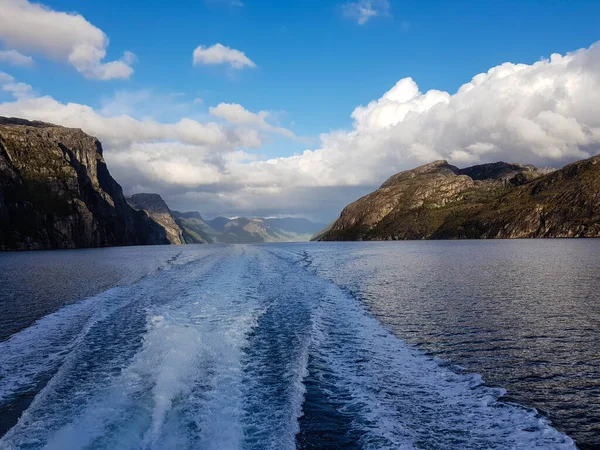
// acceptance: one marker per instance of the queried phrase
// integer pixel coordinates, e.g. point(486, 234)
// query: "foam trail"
point(397, 397)
point(97, 357)
point(29, 357)
point(247, 350)
point(277, 355)
point(40, 349)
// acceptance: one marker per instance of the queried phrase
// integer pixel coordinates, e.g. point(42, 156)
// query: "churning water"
point(358, 345)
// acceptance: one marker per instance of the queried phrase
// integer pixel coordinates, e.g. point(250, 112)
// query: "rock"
point(56, 192)
point(499, 200)
point(156, 209)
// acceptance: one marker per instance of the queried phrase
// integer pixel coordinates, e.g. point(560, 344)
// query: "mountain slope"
point(155, 207)
point(248, 230)
point(195, 229)
point(499, 200)
point(56, 192)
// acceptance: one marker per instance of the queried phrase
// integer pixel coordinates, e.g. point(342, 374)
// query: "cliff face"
point(56, 192)
point(499, 200)
point(156, 209)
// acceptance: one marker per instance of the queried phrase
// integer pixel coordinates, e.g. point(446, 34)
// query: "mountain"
point(195, 229)
point(56, 192)
point(156, 209)
point(297, 225)
point(499, 200)
point(248, 230)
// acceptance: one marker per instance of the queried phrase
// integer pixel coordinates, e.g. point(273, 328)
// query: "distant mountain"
point(247, 230)
point(298, 225)
point(499, 200)
point(155, 207)
point(218, 223)
point(195, 229)
point(56, 192)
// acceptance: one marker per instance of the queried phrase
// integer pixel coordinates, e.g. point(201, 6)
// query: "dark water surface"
point(428, 345)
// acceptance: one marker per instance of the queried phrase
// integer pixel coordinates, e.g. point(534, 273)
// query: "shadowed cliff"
point(56, 192)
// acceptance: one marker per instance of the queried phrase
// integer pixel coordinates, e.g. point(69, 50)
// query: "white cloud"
point(220, 54)
point(6, 78)
point(364, 10)
point(14, 58)
point(238, 115)
point(18, 90)
point(546, 113)
point(120, 132)
point(64, 37)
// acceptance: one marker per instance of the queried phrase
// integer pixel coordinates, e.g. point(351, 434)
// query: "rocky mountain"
point(499, 200)
point(195, 229)
point(298, 225)
point(157, 210)
point(56, 192)
point(247, 230)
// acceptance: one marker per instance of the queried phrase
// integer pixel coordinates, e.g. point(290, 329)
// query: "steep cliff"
point(156, 209)
point(499, 200)
point(56, 192)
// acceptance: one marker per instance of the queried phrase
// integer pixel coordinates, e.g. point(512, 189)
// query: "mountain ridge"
point(495, 200)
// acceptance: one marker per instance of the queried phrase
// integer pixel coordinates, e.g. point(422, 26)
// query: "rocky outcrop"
point(157, 210)
point(56, 192)
point(499, 200)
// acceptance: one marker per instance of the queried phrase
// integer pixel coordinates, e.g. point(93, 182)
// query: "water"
point(402, 345)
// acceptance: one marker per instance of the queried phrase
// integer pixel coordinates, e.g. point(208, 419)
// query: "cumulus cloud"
point(238, 115)
point(220, 54)
point(60, 36)
point(14, 58)
point(364, 10)
point(546, 113)
point(118, 133)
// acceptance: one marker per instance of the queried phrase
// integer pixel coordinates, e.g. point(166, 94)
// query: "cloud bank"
point(546, 113)
point(60, 36)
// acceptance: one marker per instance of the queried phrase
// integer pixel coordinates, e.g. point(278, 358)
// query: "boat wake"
point(245, 348)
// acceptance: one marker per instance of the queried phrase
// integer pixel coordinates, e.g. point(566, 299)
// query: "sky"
point(296, 108)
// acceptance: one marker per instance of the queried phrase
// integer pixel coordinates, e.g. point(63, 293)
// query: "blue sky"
point(314, 63)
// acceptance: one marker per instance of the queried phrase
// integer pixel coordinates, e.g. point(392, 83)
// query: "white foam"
point(52, 410)
point(223, 352)
point(399, 397)
point(42, 347)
